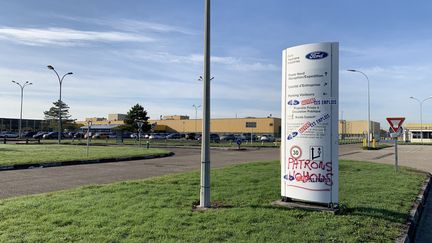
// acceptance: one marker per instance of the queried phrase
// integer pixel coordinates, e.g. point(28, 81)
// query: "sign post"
point(309, 148)
point(396, 126)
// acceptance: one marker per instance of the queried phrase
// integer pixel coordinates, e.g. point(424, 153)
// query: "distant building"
point(113, 119)
point(12, 124)
point(413, 132)
point(358, 129)
point(183, 124)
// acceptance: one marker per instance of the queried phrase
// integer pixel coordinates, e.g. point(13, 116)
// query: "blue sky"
point(150, 52)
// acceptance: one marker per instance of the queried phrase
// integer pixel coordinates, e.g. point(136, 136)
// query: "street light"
point(60, 101)
point(139, 123)
point(196, 115)
point(22, 86)
point(368, 83)
point(89, 124)
point(421, 114)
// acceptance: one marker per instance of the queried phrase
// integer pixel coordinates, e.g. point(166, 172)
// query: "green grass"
point(377, 202)
point(12, 154)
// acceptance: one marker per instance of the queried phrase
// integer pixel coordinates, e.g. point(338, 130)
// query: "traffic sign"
point(395, 122)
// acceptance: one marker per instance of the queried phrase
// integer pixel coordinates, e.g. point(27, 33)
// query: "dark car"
point(213, 138)
point(78, 135)
point(228, 137)
point(190, 136)
point(39, 135)
point(52, 135)
point(28, 134)
point(174, 136)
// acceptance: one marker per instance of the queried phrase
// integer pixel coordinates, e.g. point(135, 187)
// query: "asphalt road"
point(32, 181)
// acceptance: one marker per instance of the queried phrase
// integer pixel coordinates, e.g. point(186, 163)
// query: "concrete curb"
point(415, 213)
point(80, 162)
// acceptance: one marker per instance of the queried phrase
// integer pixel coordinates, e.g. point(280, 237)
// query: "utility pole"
point(205, 145)
point(22, 86)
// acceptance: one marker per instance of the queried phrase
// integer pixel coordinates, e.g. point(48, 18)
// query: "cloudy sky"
point(150, 52)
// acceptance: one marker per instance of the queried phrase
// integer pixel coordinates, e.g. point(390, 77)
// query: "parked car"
point(157, 136)
point(267, 138)
point(228, 137)
point(28, 134)
point(78, 135)
point(191, 136)
point(8, 135)
point(174, 136)
point(100, 135)
point(39, 135)
point(52, 135)
point(213, 138)
point(247, 136)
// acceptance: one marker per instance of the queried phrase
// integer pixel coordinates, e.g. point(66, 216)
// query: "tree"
point(136, 112)
point(52, 116)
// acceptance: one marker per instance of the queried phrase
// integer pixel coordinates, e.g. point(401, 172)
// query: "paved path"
point(31, 181)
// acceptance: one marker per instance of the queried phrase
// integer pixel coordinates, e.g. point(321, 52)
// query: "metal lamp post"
point(89, 124)
point(368, 86)
point(22, 86)
point(60, 97)
point(421, 114)
point(196, 115)
point(140, 123)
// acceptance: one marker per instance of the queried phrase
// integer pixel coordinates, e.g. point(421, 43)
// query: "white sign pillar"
point(309, 149)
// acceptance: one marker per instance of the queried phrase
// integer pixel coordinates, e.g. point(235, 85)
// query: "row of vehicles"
point(213, 137)
point(152, 136)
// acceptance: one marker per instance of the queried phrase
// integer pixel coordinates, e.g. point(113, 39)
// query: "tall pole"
point(205, 145)
point(421, 114)
point(60, 100)
point(22, 86)
point(368, 92)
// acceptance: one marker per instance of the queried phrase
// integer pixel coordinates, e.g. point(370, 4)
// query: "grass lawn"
point(12, 154)
point(159, 209)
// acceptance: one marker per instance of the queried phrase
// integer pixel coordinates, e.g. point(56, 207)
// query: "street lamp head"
point(352, 70)
point(14, 82)
point(30, 83)
point(411, 97)
point(50, 67)
point(69, 73)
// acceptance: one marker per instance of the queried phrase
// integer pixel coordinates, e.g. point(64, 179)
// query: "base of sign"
point(289, 203)
point(199, 208)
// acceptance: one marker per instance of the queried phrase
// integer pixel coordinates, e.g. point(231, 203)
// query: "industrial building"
point(358, 129)
point(182, 124)
point(255, 125)
point(12, 124)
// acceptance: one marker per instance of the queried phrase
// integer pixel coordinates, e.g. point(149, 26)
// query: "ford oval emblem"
point(293, 102)
point(316, 55)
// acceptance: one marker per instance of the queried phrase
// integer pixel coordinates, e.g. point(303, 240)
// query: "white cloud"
point(232, 63)
point(132, 25)
point(65, 36)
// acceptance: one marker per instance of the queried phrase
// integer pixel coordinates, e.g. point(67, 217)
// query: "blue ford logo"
point(316, 55)
point(293, 102)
